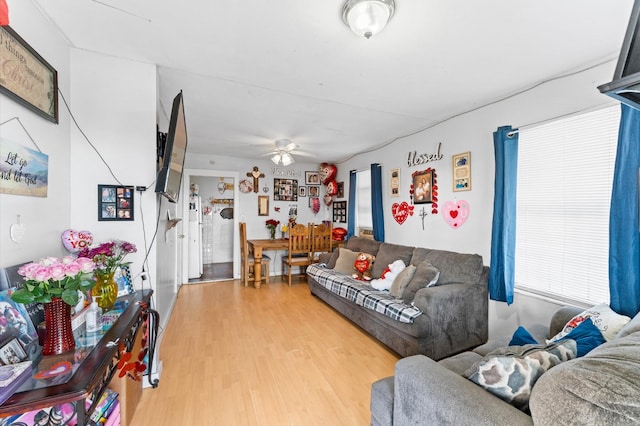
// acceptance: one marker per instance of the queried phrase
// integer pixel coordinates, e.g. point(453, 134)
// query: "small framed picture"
point(314, 191)
point(12, 352)
point(422, 186)
point(340, 193)
point(115, 202)
point(311, 178)
point(302, 191)
point(461, 164)
point(394, 182)
point(263, 205)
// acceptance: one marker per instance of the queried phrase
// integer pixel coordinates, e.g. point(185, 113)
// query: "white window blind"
point(363, 200)
point(565, 173)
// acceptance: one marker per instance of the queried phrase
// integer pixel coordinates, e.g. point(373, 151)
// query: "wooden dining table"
point(257, 247)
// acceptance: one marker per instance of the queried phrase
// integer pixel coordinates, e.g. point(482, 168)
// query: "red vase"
point(59, 334)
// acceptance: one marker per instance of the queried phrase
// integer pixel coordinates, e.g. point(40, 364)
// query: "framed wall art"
point(340, 193)
point(394, 182)
point(263, 205)
point(285, 189)
point(115, 202)
point(312, 178)
point(461, 171)
point(423, 186)
point(314, 191)
point(340, 211)
point(302, 191)
point(34, 83)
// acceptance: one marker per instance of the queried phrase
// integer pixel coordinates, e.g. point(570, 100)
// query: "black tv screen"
point(170, 175)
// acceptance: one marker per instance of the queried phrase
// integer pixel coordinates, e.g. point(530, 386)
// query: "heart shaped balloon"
point(401, 211)
point(327, 172)
point(332, 187)
point(74, 241)
point(456, 214)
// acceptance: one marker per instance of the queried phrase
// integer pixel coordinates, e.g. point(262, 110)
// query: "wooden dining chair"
point(299, 245)
point(321, 240)
point(247, 264)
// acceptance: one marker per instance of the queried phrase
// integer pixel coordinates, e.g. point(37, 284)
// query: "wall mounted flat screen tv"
point(175, 148)
point(625, 85)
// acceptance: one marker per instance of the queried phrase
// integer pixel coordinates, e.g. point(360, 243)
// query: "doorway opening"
point(210, 222)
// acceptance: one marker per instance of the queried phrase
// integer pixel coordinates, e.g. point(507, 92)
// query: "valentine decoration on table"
point(401, 211)
point(328, 172)
point(456, 214)
point(57, 369)
point(74, 241)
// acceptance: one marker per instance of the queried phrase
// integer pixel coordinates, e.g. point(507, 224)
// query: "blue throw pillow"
point(587, 337)
point(522, 337)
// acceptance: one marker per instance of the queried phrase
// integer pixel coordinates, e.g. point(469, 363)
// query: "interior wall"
point(43, 219)
point(473, 132)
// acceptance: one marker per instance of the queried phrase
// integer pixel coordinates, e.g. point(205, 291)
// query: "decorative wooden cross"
point(256, 175)
point(423, 214)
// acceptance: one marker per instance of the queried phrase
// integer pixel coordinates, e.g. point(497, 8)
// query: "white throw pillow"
point(608, 322)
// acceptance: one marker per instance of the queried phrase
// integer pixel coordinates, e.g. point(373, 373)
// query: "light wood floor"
point(234, 355)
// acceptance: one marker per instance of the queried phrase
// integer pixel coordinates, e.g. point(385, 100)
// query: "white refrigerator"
point(195, 237)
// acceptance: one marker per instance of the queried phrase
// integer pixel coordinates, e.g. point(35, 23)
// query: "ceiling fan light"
point(287, 159)
point(276, 159)
point(367, 17)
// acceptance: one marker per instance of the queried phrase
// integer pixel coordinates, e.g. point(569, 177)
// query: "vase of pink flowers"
point(108, 257)
point(55, 282)
point(272, 225)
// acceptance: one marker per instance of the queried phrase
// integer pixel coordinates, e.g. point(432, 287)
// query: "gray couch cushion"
point(419, 254)
point(456, 267)
point(382, 402)
point(345, 261)
point(425, 274)
point(387, 254)
point(401, 281)
point(630, 327)
point(601, 388)
point(366, 245)
point(461, 362)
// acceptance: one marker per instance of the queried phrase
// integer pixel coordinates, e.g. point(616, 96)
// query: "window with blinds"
point(565, 173)
point(363, 200)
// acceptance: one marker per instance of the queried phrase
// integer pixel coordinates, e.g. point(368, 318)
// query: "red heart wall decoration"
point(401, 211)
point(327, 172)
point(456, 214)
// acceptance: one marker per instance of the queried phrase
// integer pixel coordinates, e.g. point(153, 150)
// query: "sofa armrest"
point(560, 318)
point(429, 394)
point(458, 311)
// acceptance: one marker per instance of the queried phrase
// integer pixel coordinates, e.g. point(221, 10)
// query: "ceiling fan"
point(282, 154)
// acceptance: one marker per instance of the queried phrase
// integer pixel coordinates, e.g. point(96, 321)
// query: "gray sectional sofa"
point(600, 388)
point(453, 314)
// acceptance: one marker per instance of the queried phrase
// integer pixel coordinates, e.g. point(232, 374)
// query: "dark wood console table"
point(93, 367)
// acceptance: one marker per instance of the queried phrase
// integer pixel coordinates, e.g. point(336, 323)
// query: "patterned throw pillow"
point(608, 322)
point(510, 372)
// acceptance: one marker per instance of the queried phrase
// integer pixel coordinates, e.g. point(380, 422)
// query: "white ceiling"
point(253, 71)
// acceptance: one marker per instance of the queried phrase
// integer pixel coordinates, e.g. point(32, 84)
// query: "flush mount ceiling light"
point(367, 17)
point(282, 155)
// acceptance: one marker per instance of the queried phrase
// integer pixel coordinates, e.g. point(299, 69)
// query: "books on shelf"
point(105, 405)
point(11, 377)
